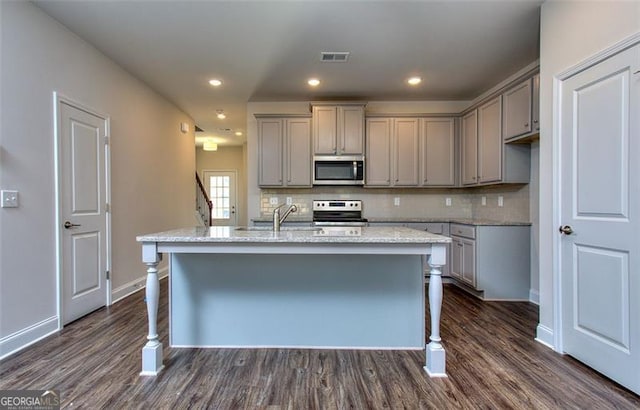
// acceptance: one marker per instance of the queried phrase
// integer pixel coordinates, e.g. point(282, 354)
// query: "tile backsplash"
point(414, 203)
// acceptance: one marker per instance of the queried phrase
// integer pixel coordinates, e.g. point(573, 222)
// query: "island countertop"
point(354, 235)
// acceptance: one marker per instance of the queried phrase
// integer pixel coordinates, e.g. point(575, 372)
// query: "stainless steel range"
point(338, 213)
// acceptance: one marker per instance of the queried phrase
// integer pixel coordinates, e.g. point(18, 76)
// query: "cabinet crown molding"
point(258, 116)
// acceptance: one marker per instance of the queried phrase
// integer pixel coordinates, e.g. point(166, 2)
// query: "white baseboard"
point(19, 340)
point(534, 296)
point(544, 335)
point(134, 286)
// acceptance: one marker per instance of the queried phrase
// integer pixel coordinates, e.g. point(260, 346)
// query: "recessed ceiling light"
point(314, 82)
point(414, 80)
point(215, 82)
point(239, 133)
point(220, 114)
point(209, 145)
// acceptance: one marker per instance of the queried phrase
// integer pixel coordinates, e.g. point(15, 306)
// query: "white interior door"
point(83, 218)
point(221, 187)
point(600, 217)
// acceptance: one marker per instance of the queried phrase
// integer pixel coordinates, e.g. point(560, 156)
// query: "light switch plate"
point(273, 200)
point(9, 199)
point(484, 201)
point(396, 201)
point(500, 200)
point(447, 201)
point(289, 200)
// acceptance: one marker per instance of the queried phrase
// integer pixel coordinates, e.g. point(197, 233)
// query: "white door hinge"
point(107, 208)
point(106, 140)
point(108, 274)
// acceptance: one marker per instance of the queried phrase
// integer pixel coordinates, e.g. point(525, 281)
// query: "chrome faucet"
point(278, 220)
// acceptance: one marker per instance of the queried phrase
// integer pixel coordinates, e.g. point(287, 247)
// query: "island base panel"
point(314, 301)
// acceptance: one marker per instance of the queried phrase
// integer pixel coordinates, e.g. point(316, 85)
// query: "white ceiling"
point(266, 50)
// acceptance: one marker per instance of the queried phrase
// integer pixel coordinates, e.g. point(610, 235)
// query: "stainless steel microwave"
point(338, 170)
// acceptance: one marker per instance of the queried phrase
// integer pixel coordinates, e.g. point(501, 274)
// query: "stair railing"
point(204, 206)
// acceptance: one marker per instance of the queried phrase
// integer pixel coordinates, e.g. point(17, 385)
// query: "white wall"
point(571, 32)
point(152, 162)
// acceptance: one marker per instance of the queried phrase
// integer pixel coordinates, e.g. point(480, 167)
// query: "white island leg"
point(435, 354)
point(152, 351)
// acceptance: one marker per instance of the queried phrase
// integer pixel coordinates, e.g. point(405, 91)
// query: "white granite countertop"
point(374, 220)
point(233, 234)
point(464, 221)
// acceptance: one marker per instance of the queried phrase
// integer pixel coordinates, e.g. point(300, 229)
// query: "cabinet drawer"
point(466, 231)
point(437, 228)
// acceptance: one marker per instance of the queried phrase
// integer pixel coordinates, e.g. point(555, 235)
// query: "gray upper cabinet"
point(469, 147)
point(494, 161)
point(438, 152)
point(517, 110)
point(535, 110)
point(392, 152)
point(270, 147)
point(406, 152)
point(298, 152)
point(284, 151)
point(378, 158)
point(490, 141)
point(338, 129)
point(325, 133)
point(410, 151)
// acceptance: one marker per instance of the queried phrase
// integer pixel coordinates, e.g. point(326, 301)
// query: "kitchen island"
point(347, 288)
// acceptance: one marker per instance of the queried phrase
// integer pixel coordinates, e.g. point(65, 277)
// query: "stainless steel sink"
point(284, 228)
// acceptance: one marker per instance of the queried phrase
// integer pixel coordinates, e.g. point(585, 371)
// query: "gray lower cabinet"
point(493, 260)
point(440, 228)
point(284, 151)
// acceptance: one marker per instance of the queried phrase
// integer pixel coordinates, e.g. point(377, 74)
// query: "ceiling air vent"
point(334, 56)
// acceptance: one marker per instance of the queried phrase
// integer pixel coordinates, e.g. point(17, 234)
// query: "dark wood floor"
point(492, 361)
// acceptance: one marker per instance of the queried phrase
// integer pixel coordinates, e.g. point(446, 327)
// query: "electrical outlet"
point(484, 201)
point(447, 201)
point(289, 200)
point(273, 200)
point(9, 199)
point(500, 200)
point(396, 201)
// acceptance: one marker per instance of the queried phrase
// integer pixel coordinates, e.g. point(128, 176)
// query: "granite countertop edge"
point(231, 235)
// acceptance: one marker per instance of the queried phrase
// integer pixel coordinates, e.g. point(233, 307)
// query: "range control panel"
point(338, 205)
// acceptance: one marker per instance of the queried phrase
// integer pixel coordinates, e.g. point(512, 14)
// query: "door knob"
point(567, 230)
point(69, 225)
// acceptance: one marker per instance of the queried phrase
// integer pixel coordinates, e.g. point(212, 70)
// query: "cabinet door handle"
point(535, 121)
point(526, 125)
